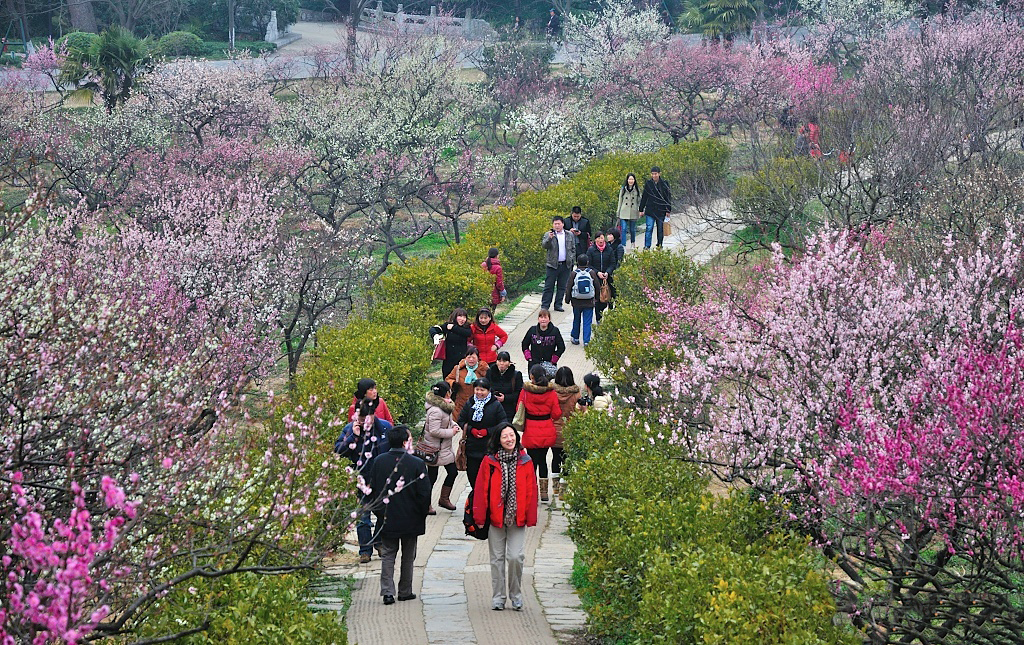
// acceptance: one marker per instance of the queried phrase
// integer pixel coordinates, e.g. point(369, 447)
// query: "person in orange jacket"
point(505, 495)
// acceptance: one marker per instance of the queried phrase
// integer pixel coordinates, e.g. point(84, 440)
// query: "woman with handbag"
point(540, 408)
point(457, 333)
point(438, 431)
point(604, 260)
point(505, 496)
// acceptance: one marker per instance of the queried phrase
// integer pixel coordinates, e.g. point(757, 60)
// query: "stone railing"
point(377, 19)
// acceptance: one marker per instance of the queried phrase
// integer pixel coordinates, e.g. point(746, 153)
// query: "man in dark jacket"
point(604, 260)
point(400, 494)
point(480, 417)
point(560, 246)
point(580, 227)
point(362, 441)
point(656, 206)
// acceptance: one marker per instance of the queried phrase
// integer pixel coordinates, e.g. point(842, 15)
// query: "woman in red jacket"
point(493, 266)
point(539, 434)
point(506, 496)
point(488, 337)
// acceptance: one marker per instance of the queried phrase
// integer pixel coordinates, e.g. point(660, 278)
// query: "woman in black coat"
point(457, 333)
point(506, 383)
point(481, 417)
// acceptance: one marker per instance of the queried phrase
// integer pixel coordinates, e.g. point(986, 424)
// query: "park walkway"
point(452, 579)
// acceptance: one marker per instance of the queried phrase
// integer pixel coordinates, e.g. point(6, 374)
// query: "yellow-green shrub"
point(561, 197)
point(245, 609)
point(657, 269)
point(766, 592)
point(438, 284)
point(389, 354)
point(516, 232)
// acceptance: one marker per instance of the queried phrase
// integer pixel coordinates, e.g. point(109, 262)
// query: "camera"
point(586, 400)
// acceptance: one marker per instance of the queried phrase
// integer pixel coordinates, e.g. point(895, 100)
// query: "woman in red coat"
point(539, 434)
point(505, 495)
point(488, 337)
point(493, 266)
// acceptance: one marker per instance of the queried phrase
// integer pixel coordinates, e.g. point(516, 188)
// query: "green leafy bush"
point(766, 592)
point(516, 232)
point(658, 269)
point(560, 198)
point(773, 201)
point(389, 354)
point(438, 284)
point(179, 43)
point(245, 609)
point(76, 43)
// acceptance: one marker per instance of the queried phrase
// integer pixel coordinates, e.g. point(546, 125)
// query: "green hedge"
point(245, 609)
point(389, 354)
point(627, 329)
point(439, 285)
point(666, 561)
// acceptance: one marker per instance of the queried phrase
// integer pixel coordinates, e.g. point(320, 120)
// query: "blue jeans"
point(364, 529)
point(586, 316)
point(651, 222)
point(628, 225)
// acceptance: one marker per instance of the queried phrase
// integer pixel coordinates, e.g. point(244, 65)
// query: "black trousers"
point(450, 474)
point(555, 283)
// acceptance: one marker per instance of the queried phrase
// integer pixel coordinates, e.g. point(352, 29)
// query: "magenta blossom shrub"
point(883, 405)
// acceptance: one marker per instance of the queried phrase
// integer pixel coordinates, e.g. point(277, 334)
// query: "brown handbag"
point(668, 228)
point(461, 460)
point(606, 292)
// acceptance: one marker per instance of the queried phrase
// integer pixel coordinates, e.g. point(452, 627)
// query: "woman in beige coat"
point(629, 208)
point(438, 431)
point(568, 394)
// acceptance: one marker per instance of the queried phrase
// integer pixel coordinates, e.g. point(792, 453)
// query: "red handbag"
point(439, 351)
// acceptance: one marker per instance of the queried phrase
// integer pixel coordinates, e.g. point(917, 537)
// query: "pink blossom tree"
point(882, 404)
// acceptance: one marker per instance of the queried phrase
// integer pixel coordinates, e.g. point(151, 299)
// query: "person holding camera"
point(561, 250)
point(594, 395)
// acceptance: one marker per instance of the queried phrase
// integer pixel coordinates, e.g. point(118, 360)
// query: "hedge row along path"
point(453, 579)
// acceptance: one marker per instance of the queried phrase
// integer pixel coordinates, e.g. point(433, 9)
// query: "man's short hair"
point(655, 169)
point(582, 261)
point(577, 209)
point(398, 435)
point(558, 218)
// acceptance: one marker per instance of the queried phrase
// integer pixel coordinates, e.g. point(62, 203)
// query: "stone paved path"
point(453, 579)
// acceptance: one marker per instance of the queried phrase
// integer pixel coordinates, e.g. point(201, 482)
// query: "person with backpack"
point(362, 440)
point(543, 342)
point(505, 496)
point(493, 266)
point(583, 297)
point(655, 206)
point(604, 260)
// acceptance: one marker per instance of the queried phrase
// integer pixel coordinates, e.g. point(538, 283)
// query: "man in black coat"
point(479, 419)
point(656, 206)
point(400, 493)
point(580, 227)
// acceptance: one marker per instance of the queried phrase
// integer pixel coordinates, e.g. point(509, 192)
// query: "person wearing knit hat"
point(366, 388)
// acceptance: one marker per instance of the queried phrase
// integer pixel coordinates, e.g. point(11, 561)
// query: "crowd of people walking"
point(484, 417)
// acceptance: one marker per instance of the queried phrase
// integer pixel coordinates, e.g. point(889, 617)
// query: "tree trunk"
point(83, 18)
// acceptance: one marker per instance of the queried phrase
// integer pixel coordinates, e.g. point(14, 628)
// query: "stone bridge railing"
point(377, 19)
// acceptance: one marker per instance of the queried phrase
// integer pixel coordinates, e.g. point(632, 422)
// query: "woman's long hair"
point(491, 254)
point(593, 383)
point(458, 311)
point(564, 377)
point(539, 376)
point(625, 183)
point(494, 443)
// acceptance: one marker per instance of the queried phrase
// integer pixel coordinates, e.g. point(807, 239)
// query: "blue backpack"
point(583, 285)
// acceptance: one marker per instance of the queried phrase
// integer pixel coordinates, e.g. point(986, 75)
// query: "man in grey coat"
point(561, 249)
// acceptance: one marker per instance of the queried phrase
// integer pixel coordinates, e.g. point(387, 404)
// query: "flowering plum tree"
point(618, 32)
point(883, 404)
point(122, 366)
